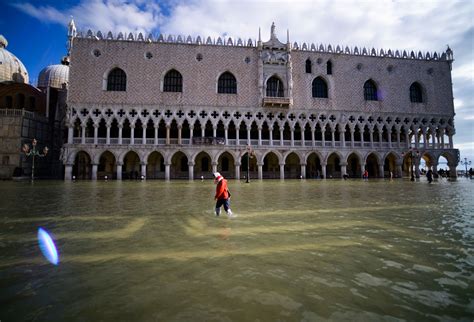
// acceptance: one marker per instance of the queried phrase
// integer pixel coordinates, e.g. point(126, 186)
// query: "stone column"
point(156, 126)
point(352, 138)
point(425, 140)
point(398, 169)
point(417, 168)
point(323, 137)
point(143, 169)
point(303, 170)
point(433, 139)
point(303, 143)
point(132, 134)
point(343, 137)
point(70, 134)
point(214, 166)
point(226, 135)
point(191, 171)
point(94, 171)
point(434, 167)
point(107, 140)
point(96, 132)
point(180, 127)
point(83, 134)
point(168, 128)
point(450, 140)
point(120, 128)
point(380, 137)
point(452, 170)
point(398, 138)
point(248, 135)
point(259, 136)
point(237, 171)
point(381, 172)
point(389, 138)
point(68, 171)
point(281, 136)
point(144, 134)
point(442, 139)
point(167, 171)
point(282, 171)
point(292, 133)
point(407, 139)
point(203, 130)
point(237, 136)
point(371, 138)
point(214, 131)
point(343, 169)
point(260, 171)
point(323, 169)
point(313, 141)
point(119, 170)
point(417, 140)
point(333, 137)
point(191, 133)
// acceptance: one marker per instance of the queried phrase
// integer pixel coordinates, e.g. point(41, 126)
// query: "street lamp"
point(412, 154)
point(466, 163)
point(33, 153)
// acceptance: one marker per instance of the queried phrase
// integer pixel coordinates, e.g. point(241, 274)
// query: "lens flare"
point(47, 246)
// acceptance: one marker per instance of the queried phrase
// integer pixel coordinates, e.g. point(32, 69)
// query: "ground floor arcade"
point(122, 162)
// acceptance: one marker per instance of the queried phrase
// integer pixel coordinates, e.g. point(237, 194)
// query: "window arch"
point(370, 91)
point(308, 66)
point(227, 84)
point(274, 87)
point(117, 80)
point(416, 94)
point(329, 67)
point(320, 88)
point(173, 81)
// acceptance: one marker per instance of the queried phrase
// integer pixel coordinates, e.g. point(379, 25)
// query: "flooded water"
point(298, 251)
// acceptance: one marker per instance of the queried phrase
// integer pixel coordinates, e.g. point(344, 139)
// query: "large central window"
point(173, 81)
point(117, 80)
point(274, 87)
point(227, 84)
point(370, 91)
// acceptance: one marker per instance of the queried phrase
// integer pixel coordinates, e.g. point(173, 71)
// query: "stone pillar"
point(107, 140)
point(203, 130)
point(168, 129)
point(144, 134)
point(380, 137)
point(313, 141)
point(442, 139)
point(343, 137)
point(281, 137)
point(237, 171)
point(120, 128)
point(119, 170)
point(333, 137)
point(132, 134)
point(70, 134)
point(425, 140)
point(214, 131)
point(398, 168)
point(96, 132)
point(407, 139)
point(398, 138)
point(389, 138)
point(434, 167)
point(381, 172)
point(156, 133)
point(226, 135)
point(450, 141)
point(248, 135)
point(352, 138)
point(259, 136)
point(323, 169)
point(433, 139)
point(237, 136)
point(191, 133)
point(452, 170)
point(417, 168)
point(323, 137)
point(303, 143)
point(143, 169)
point(303, 170)
point(271, 136)
point(94, 171)
point(167, 171)
point(282, 171)
point(214, 166)
point(68, 171)
point(343, 169)
point(180, 127)
point(292, 133)
point(260, 171)
point(191, 171)
point(83, 134)
point(417, 141)
point(371, 138)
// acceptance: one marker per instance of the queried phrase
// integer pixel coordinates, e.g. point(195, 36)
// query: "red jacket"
point(222, 191)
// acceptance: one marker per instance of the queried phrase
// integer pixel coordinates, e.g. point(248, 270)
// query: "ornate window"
point(227, 84)
point(320, 88)
point(117, 80)
point(308, 66)
point(329, 67)
point(416, 95)
point(173, 81)
point(370, 91)
point(274, 87)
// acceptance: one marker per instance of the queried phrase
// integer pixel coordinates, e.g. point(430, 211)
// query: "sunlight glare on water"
point(298, 250)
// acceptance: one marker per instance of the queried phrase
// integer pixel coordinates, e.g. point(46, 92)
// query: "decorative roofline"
point(239, 42)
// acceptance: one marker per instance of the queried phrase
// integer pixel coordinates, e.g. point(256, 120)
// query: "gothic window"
point(370, 91)
point(173, 81)
point(416, 95)
point(274, 87)
point(8, 102)
point(117, 80)
point(308, 66)
point(320, 88)
point(227, 84)
point(329, 67)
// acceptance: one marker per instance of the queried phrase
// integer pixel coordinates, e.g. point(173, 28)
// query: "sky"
point(36, 30)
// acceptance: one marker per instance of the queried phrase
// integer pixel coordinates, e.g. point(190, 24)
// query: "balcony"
point(277, 102)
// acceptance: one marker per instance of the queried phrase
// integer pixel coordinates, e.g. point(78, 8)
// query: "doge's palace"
point(171, 107)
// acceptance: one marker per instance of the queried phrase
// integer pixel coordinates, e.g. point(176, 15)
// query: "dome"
point(11, 68)
point(54, 75)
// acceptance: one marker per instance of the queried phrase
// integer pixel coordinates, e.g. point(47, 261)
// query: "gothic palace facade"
point(182, 107)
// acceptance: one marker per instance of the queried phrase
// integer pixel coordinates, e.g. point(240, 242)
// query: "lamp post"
point(33, 153)
point(412, 154)
point(466, 163)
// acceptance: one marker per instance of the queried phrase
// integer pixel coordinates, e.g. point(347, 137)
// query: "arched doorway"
point(179, 166)
point(226, 165)
point(292, 166)
point(131, 166)
point(252, 166)
point(313, 166)
point(107, 166)
point(271, 166)
point(372, 166)
point(354, 169)
point(155, 166)
point(390, 166)
point(333, 167)
point(202, 165)
point(82, 168)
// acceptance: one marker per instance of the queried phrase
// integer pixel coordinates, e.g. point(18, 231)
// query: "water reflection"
point(299, 250)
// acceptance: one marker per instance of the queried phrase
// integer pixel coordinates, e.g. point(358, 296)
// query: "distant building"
point(28, 112)
point(181, 107)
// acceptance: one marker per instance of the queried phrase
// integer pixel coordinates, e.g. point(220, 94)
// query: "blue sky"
point(36, 30)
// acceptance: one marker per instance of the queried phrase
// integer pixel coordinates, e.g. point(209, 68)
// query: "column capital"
point(119, 163)
point(191, 163)
point(343, 164)
point(143, 163)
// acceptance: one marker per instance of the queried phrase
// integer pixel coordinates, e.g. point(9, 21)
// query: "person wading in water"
point(222, 195)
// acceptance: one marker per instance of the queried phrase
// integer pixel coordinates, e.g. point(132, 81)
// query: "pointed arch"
point(275, 87)
point(416, 93)
point(370, 91)
point(116, 80)
point(308, 66)
point(173, 81)
point(320, 88)
point(227, 83)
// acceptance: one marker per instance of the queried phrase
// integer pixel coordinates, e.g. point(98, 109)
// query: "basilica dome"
point(55, 75)
point(11, 68)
